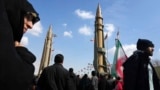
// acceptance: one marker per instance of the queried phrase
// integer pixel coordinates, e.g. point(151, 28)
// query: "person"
point(78, 81)
point(118, 83)
point(16, 67)
point(139, 73)
point(84, 83)
point(34, 83)
point(73, 80)
point(54, 77)
point(94, 80)
point(102, 83)
point(110, 82)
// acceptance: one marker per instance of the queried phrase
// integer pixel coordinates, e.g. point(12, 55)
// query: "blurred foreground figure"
point(139, 73)
point(16, 66)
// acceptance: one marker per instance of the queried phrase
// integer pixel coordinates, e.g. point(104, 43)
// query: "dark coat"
point(72, 81)
point(54, 77)
point(85, 83)
point(110, 85)
point(16, 66)
point(136, 73)
point(102, 84)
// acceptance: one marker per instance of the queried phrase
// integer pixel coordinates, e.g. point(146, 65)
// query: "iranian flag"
point(119, 58)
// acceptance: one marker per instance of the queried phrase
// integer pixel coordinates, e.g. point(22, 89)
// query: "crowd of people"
point(139, 74)
point(17, 69)
point(56, 77)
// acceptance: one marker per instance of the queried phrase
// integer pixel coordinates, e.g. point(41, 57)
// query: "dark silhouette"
point(102, 84)
point(110, 82)
point(139, 73)
point(84, 83)
point(54, 77)
point(78, 81)
point(73, 80)
point(16, 67)
point(94, 81)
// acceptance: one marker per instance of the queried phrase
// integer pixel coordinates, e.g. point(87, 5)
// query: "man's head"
point(93, 73)
point(58, 58)
point(70, 69)
point(146, 46)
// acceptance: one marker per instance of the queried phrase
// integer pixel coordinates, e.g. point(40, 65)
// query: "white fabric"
point(150, 72)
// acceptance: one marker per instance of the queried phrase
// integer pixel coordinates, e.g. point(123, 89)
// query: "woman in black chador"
point(16, 61)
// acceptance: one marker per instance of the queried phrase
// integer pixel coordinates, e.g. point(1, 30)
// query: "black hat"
point(58, 58)
point(143, 44)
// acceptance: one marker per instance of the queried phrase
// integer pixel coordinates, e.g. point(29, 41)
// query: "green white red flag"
point(119, 58)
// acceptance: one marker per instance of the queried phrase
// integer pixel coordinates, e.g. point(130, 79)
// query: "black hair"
point(93, 73)
point(58, 58)
point(70, 69)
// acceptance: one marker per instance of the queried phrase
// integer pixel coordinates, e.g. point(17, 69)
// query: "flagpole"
point(105, 38)
point(106, 57)
point(118, 39)
point(119, 58)
point(117, 34)
point(113, 68)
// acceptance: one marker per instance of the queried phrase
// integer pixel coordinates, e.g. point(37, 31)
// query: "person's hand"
point(17, 44)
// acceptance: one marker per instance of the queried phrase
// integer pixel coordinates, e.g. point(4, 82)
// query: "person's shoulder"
point(59, 67)
point(48, 68)
point(65, 70)
point(133, 58)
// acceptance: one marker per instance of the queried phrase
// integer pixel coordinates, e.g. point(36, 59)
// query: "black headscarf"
point(16, 17)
